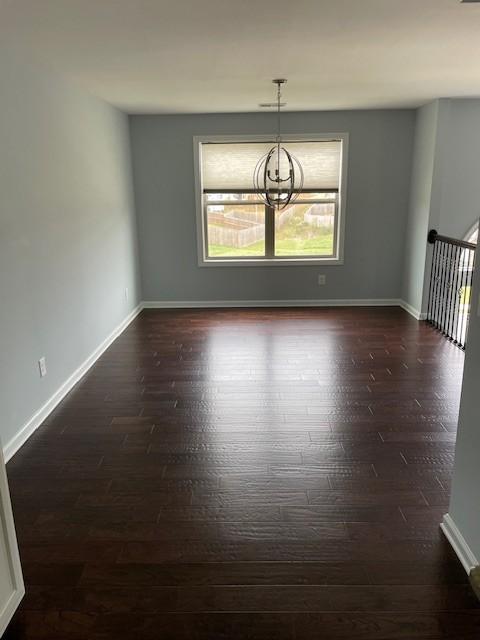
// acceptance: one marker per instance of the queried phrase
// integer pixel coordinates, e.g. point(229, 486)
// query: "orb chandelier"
point(278, 176)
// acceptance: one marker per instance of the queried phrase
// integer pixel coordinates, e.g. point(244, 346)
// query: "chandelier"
point(278, 176)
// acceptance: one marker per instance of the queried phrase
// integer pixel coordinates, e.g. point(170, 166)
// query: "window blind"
point(231, 165)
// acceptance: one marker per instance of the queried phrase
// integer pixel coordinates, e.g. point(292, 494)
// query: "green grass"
point(222, 251)
point(321, 245)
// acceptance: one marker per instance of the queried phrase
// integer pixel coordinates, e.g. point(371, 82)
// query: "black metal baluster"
point(448, 292)
point(451, 266)
point(432, 283)
point(437, 282)
point(466, 294)
point(463, 296)
point(447, 289)
point(442, 310)
point(451, 291)
point(451, 296)
point(471, 263)
point(456, 292)
point(437, 285)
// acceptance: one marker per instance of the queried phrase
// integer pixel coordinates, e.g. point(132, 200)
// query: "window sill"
point(266, 262)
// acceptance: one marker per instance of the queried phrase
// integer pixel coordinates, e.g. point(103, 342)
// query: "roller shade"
point(231, 165)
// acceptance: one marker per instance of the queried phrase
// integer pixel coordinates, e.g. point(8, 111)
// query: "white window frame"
point(337, 259)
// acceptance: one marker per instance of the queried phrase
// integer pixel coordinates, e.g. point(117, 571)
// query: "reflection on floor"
point(248, 474)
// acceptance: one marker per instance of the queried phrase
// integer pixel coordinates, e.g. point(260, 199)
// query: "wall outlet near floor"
point(126, 293)
point(322, 279)
point(42, 367)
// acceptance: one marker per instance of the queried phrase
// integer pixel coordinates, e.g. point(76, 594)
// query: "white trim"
point(418, 315)
point(458, 543)
point(12, 605)
point(337, 259)
point(36, 420)
point(272, 262)
point(9, 538)
point(206, 304)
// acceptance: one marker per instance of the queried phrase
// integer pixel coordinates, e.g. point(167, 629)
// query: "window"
point(236, 227)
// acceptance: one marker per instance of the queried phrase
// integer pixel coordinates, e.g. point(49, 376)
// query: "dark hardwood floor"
point(248, 474)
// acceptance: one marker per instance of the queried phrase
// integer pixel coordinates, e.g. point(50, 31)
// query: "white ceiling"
point(177, 56)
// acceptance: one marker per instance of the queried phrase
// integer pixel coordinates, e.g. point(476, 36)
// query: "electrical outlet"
point(126, 293)
point(42, 367)
point(322, 279)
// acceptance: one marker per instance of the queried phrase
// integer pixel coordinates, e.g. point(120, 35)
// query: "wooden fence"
point(241, 229)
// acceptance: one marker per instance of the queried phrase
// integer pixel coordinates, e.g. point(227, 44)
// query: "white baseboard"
point(11, 579)
point(459, 544)
point(11, 447)
point(418, 315)
point(206, 304)
point(36, 420)
point(9, 610)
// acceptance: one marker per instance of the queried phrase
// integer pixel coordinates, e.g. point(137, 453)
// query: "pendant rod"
point(278, 131)
point(278, 82)
point(279, 93)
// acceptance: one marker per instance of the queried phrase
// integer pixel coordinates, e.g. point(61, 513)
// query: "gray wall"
point(67, 233)
point(445, 193)
point(420, 204)
point(465, 498)
point(377, 205)
point(456, 204)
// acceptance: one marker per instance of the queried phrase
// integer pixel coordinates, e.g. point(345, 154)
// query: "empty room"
point(239, 320)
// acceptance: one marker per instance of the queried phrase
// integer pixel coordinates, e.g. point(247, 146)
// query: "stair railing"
point(450, 286)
